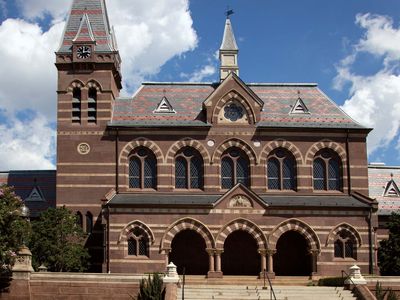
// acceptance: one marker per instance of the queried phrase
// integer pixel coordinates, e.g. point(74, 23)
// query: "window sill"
point(349, 259)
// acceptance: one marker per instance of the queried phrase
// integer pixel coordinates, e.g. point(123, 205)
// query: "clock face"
point(83, 52)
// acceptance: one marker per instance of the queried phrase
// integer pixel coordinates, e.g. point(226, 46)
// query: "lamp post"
point(23, 263)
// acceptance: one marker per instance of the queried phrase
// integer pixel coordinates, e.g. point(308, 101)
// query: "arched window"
point(327, 171)
point(79, 219)
point(281, 170)
point(89, 223)
point(138, 243)
point(189, 171)
point(345, 245)
point(142, 169)
point(92, 105)
point(76, 105)
point(235, 168)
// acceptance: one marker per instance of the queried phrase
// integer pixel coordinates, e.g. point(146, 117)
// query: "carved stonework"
point(83, 148)
point(240, 202)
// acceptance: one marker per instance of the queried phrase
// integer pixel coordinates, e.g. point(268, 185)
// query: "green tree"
point(14, 230)
point(389, 250)
point(151, 288)
point(58, 242)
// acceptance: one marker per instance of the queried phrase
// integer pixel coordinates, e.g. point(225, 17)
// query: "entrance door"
point(292, 257)
point(189, 252)
point(240, 256)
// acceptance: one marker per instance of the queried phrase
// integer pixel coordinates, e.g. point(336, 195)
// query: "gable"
point(391, 189)
point(233, 102)
point(35, 195)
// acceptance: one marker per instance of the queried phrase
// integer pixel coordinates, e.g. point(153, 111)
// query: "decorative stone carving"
point(83, 148)
point(355, 276)
point(240, 201)
point(171, 276)
point(23, 264)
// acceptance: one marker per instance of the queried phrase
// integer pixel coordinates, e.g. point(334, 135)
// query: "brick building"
point(220, 178)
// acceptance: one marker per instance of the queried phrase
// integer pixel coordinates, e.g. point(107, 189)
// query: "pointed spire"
point(228, 52)
point(88, 21)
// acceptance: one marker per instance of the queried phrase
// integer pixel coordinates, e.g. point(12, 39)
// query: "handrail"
point(183, 283)
point(271, 289)
point(348, 277)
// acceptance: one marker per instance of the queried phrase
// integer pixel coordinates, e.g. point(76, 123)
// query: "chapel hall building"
point(222, 178)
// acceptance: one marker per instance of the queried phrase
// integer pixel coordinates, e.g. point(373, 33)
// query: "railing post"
point(183, 283)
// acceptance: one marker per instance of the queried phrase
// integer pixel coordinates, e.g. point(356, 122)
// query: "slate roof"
point(210, 200)
point(96, 12)
point(379, 177)
point(187, 100)
point(25, 181)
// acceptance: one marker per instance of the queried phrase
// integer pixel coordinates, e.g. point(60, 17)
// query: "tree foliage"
point(389, 250)
point(58, 242)
point(14, 230)
point(151, 288)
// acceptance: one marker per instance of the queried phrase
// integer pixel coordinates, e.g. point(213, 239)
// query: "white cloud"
point(27, 145)
point(199, 75)
point(374, 100)
point(32, 9)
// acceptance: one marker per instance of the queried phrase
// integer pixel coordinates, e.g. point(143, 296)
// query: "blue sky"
point(351, 48)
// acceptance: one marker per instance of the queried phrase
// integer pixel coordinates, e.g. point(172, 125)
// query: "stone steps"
point(245, 292)
point(248, 280)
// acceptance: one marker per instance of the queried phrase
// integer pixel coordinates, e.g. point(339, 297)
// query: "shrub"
point(151, 288)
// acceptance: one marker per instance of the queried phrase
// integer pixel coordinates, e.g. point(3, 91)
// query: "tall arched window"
point(235, 168)
point(76, 105)
point(327, 171)
point(142, 169)
point(138, 243)
point(281, 170)
point(189, 171)
point(345, 245)
point(89, 222)
point(92, 105)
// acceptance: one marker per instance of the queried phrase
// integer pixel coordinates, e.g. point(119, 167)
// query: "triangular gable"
point(164, 107)
point(299, 107)
point(391, 189)
point(85, 32)
point(233, 84)
point(240, 197)
point(35, 195)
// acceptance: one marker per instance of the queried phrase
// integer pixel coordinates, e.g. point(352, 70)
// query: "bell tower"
point(228, 52)
point(88, 65)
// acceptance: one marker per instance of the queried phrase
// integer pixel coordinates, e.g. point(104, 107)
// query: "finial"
point(164, 91)
point(229, 12)
point(391, 175)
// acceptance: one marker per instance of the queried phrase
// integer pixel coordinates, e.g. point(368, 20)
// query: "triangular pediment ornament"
point(85, 32)
point(299, 107)
point(35, 195)
point(391, 189)
point(241, 196)
point(164, 107)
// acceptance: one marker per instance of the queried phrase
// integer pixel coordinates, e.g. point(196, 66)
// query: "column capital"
point(271, 251)
point(314, 252)
point(219, 251)
point(263, 252)
point(165, 251)
point(210, 251)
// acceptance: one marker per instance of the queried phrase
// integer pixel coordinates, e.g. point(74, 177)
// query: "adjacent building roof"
point(36, 188)
point(382, 177)
point(187, 100)
point(88, 21)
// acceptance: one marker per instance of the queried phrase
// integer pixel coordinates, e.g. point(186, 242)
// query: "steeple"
point(228, 52)
point(88, 22)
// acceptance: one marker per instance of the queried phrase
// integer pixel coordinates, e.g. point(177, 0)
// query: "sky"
point(351, 48)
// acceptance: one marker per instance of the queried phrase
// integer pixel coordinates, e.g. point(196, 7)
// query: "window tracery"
point(235, 168)
point(138, 243)
point(142, 169)
point(189, 170)
point(327, 171)
point(345, 245)
point(281, 170)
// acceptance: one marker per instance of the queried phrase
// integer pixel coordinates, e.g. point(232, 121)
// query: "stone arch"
point(124, 154)
point(325, 144)
point(92, 83)
point(234, 95)
point(281, 144)
point(184, 224)
point(169, 158)
point(343, 226)
point(235, 143)
point(296, 225)
point(136, 224)
point(76, 83)
point(245, 225)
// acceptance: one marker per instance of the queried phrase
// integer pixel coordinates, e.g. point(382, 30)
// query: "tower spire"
point(228, 52)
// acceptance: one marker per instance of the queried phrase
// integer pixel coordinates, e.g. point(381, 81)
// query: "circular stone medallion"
point(83, 148)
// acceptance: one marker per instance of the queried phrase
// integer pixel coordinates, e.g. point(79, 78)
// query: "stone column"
point(314, 259)
point(215, 258)
point(166, 252)
point(263, 257)
point(210, 260)
point(270, 253)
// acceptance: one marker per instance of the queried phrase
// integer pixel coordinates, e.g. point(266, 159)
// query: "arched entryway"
point(292, 256)
point(188, 250)
point(240, 256)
